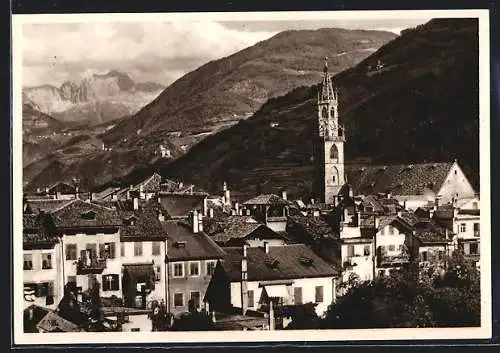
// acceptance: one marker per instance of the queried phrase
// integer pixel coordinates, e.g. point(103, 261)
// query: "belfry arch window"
point(324, 114)
point(335, 176)
point(334, 153)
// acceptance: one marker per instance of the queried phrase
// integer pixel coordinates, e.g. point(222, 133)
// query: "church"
point(413, 185)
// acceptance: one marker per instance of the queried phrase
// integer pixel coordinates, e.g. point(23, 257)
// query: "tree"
point(304, 318)
point(411, 297)
point(193, 322)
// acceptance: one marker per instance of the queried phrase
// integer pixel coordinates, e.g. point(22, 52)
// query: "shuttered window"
point(110, 282)
point(319, 294)
point(71, 252)
point(107, 250)
point(137, 249)
point(297, 295)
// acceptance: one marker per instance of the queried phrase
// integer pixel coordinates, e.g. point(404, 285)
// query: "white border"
point(485, 331)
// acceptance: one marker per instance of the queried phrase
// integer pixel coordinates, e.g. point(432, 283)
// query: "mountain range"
point(412, 99)
point(211, 98)
point(97, 98)
point(416, 99)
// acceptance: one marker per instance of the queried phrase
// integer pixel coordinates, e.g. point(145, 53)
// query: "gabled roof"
point(47, 205)
point(62, 187)
point(392, 220)
point(151, 184)
point(266, 199)
point(72, 215)
point(290, 262)
point(146, 225)
point(240, 227)
point(183, 244)
point(316, 227)
point(402, 179)
point(180, 205)
point(429, 232)
point(39, 231)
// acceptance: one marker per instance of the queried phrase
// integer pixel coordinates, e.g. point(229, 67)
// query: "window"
point(211, 267)
point(194, 268)
point(392, 247)
point(156, 248)
point(366, 250)
point(46, 261)
point(250, 299)
point(71, 252)
point(334, 153)
point(463, 227)
point(350, 250)
point(178, 269)
point(335, 175)
point(157, 273)
point(110, 282)
point(440, 254)
point(28, 262)
point(382, 231)
point(473, 248)
point(122, 249)
point(178, 299)
point(93, 250)
point(71, 279)
point(476, 229)
point(319, 294)
point(107, 250)
point(391, 230)
point(135, 329)
point(423, 255)
point(137, 248)
point(195, 297)
point(297, 295)
point(381, 273)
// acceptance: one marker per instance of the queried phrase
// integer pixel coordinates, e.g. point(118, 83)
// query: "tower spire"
point(327, 92)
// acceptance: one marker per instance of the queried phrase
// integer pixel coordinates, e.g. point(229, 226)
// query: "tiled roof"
point(39, 231)
point(266, 199)
point(240, 227)
point(398, 179)
point(47, 205)
point(316, 227)
point(386, 220)
point(183, 244)
point(180, 205)
point(61, 187)
point(147, 226)
point(106, 193)
point(151, 184)
point(430, 232)
point(77, 214)
point(290, 262)
point(54, 323)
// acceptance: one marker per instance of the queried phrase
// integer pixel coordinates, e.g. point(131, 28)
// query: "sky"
point(154, 51)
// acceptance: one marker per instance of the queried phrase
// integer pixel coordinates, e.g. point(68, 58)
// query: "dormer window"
point(180, 244)
point(89, 215)
point(306, 261)
point(130, 221)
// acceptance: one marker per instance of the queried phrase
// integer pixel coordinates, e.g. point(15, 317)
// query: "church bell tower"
point(330, 149)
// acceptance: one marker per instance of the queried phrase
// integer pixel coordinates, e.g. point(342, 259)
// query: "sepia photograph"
point(295, 175)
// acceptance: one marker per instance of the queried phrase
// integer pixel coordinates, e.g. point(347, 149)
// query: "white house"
point(249, 278)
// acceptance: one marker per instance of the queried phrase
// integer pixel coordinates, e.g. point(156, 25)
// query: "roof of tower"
point(327, 92)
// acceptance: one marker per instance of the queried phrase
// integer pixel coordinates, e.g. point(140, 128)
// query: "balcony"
point(86, 266)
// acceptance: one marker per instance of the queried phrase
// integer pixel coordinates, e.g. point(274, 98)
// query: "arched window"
point(325, 113)
point(334, 153)
point(335, 176)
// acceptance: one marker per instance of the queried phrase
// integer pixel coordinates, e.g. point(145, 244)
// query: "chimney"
point(377, 222)
point(207, 307)
point(244, 282)
point(224, 187)
point(400, 213)
point(77, 192)
point(200, 222)
point(141, 192)
point(136, 203)
point(389, 195)
point(196, 224)
point(358, 219)
point(213, 317)
point(31, 314)
point(237, 208)
point(241, 212)
point(161, 217)
point(248, 212)
point(205, 206)
point(283, 196)
point(271, 316)
point(228, 197)
point(351, 192)
point(211, 212)
point(266, 247)
point(312, 201)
